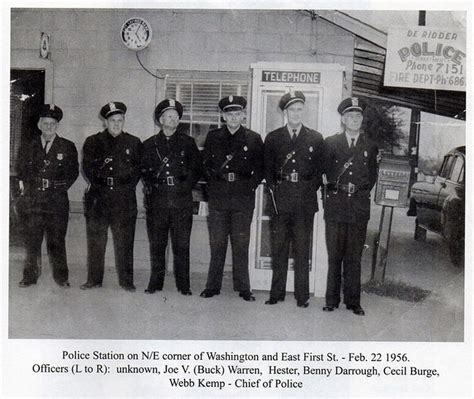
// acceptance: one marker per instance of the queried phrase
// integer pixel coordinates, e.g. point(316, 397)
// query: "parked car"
point(439, 205)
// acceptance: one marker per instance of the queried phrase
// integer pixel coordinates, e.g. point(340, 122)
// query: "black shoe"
point(301, 304)
point(129, 288)
point(25, 283)
point(209, 293)
point(247, 296)
point(356, 309)
point(274, 301)
point(186, 292)
point(88, 285)
point(330, 308)
point(64, 284)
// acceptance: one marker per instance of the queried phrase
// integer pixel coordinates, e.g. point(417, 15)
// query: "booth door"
point(271, 119)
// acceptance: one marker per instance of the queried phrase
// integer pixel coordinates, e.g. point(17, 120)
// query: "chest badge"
point(246, 148)
point(311, 149)
point(127, 151)
point(59, 157)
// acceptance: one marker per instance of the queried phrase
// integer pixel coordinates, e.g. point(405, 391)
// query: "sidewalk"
point(47, 311)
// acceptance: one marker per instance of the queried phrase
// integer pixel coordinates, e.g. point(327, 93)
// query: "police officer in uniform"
point(351, 168)
point(47, 167)
point(233, 165)
point(293, 168)
point(171, 167)
point(111, 163)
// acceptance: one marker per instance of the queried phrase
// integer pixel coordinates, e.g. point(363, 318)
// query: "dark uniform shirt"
point(171, 167)
point(112, 166)
point(300, 160)
point(47, 177)
point(236, 156)
point(342, 206)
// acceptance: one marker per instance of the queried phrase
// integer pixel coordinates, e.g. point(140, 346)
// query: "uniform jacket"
point(306, 161)
point(118, 158)
point(342, 206)
point(245, 147)
point(47, 177)
point(183, 165)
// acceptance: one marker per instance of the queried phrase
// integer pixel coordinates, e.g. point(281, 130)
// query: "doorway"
point(27, 87)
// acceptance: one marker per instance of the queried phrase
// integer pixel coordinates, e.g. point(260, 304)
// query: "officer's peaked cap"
point(166, 105)
point(232, 103)
point(290, 98)
point(351, 104)
point(51, 111)
point(112, 108)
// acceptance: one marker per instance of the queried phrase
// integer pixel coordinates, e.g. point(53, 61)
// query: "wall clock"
point(136, 33)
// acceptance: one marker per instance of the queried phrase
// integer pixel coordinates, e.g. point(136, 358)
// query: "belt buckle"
point(294, 177)
point(44, 184)
point(170, 180)
point(230, 176)
point(351, 188)
point(110, 181)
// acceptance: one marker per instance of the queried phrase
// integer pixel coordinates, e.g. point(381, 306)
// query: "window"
point(457, 175)
point(200, 92)
point(447, 165)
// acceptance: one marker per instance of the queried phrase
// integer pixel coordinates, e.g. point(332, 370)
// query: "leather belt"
point(45, 184)
point(111, 181)
point(348, 188)
point(294, 177)
point(232, 176)
point(169, 180)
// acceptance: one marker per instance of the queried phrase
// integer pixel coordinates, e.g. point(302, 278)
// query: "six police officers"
point(351, 169)
point(293, 168)
point(112, 164)
point(48, 166)
point(171, 166)
point(234, 162)
point(233, 165)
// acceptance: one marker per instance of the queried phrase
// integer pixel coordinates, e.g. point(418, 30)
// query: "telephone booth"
point(322, 85)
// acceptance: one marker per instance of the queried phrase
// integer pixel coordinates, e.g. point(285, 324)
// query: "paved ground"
point(47, 311)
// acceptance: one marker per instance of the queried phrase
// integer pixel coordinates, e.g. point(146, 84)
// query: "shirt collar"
point(349, 138)
point(43, 140)
point(298, 130)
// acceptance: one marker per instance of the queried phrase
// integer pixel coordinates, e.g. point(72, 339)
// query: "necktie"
point(352, 143)
point(293, 138)
point(45, 148)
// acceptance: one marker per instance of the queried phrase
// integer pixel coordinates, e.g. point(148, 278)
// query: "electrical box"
point(393, 181)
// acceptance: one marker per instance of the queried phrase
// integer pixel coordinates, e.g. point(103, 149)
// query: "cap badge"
point(231, 99)
point(112, 107)
point(172, 103)
point(51, 107)
point(292, 93)
point(59, 157)
point(355, 102)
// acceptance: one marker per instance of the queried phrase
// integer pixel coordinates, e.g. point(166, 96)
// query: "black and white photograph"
point(234, 199)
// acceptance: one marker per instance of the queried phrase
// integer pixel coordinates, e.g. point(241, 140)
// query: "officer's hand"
point(21, 187)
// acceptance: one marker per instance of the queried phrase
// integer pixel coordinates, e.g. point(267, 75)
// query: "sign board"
point(424, 58)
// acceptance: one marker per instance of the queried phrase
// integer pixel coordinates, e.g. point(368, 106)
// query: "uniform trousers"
point(122, 223)
point(223, 223)
point(345, 243)
point(178, 223)
point(295, 227)
point(53, 225)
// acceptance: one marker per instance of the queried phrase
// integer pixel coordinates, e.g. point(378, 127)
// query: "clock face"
point(136, 33)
